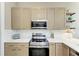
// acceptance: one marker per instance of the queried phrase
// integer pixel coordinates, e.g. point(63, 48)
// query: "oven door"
point(38, 25)
point(38, 52)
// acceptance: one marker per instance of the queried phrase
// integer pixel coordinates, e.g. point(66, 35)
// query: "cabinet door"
point(16, 49)
point(22, 50)
point(26, 18)
point(59, 22)
point(16, 18)
point(59, 49)
point(65, 50)
point(39, 13)
point(20, 18)
point(9, 50)
point(52, 49)
point(50, 18)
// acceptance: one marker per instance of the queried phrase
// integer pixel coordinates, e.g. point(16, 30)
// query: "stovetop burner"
point(38, 39)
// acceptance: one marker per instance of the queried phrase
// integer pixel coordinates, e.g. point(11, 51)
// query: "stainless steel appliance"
point(39, 45)
point(39, 24)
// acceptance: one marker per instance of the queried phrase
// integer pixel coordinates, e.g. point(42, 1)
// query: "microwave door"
point(38, 25)
point(35, 24)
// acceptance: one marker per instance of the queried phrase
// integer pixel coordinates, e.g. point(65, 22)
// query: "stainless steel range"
point(39, 45)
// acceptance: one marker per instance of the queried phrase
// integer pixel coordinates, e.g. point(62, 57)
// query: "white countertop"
point(72, 43)
point(51, 40)
point(17, 40)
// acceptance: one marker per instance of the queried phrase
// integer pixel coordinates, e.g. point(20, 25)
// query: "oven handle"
point(39, 46)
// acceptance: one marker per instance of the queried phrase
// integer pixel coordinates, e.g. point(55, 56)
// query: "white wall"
point(8, 6)
point(0, 28)
point(74, 7)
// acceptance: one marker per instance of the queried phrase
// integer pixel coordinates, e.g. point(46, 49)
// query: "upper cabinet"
point(26, 18)
point(59, 22)
point(16, 18)
point(21, 17)
point(50, 18)
point(39, 13)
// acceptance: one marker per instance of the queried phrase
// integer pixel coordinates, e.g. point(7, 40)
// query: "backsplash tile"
point(24, 34)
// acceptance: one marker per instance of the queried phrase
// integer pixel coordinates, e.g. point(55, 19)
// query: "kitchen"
point(40, 29)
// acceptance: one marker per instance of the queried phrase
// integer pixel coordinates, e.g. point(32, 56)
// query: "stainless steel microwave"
point(39, 24)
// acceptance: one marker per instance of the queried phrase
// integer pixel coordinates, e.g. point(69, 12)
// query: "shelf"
point(70, 21)
point(72, 28)
point(70, 14)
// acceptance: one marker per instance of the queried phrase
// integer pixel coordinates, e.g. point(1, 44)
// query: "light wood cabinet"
point(52, 49)
point(65, 50)
point(73, 52)
point(59, 22)
point(16, 49)
point(20, 18)
point(39, 13)
point(16, 18)
point(50, 18)
point(26, 18)
point(59, 49)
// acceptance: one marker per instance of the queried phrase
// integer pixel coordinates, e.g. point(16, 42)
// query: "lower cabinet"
point(73, 52)
point(59, 49)
point(55, 49)
point(65, 50)
point(22, 49)
point(52, 49)
point(16, 49)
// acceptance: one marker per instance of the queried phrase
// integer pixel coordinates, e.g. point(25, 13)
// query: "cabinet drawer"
point(22, 51)
point(15, 44)
point(15, 49)
point(9, 51)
